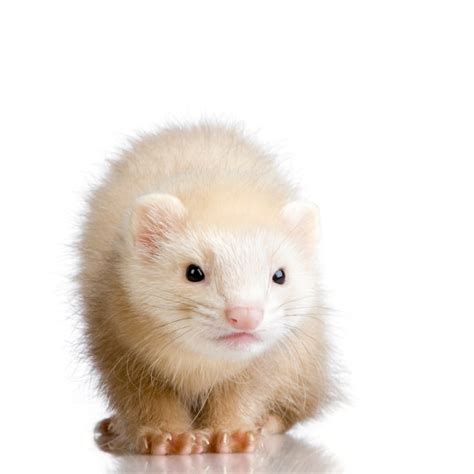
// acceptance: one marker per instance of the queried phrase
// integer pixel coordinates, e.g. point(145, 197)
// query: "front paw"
point(160, 443)
point(235, 441)
point(108, 437)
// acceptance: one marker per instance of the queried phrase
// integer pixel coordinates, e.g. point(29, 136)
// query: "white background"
point(372, 103)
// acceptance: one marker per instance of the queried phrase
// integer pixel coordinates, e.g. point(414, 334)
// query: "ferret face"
point(228, 293)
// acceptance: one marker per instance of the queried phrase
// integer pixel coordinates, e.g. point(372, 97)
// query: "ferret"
point(200, 292)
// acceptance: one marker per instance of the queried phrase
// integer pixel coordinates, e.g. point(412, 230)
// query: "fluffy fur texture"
point(208, 196)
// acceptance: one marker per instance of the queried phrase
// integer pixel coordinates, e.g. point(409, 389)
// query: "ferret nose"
point(244, 317)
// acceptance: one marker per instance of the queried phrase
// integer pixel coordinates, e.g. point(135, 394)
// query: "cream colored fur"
point(209, 196)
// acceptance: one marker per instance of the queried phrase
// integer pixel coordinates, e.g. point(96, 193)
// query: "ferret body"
point(199, 286)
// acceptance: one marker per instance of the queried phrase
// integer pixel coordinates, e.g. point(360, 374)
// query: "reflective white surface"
point(280, 454)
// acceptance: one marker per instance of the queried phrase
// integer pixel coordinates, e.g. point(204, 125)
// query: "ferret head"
point(226, 290)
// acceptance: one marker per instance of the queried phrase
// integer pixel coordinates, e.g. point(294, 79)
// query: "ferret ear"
point(302, 221)
point(154, 217)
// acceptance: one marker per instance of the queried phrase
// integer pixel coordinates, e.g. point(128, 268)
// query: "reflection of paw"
point(235, 442)
point(160, 443)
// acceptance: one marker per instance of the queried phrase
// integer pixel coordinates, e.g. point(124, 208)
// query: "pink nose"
point(242, 317)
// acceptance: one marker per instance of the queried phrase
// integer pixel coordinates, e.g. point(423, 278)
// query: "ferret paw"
point(161, 443)
point(106, 435)
point(235, 441)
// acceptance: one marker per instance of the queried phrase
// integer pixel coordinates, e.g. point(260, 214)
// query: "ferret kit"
point(200, 296)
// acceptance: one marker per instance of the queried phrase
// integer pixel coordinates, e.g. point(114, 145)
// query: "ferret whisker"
point(169, 333)
point(288, 344)
point(161, 326)
point(187, 298)
point(297, 329)
point(302, 313)
point(304, 316)
point(294, 300)
point(163, 349)
point(151, 338)
point(177, 309)
point(189, 307)
point(296, 308)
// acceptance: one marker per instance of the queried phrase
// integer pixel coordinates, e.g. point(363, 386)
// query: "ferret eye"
point(194, 273)
point(279, 277)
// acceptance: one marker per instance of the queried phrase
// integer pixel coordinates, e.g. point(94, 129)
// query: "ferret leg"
point(154, 423)
point(233, 417)
point(165, 427)
point(161, 425)
point(246, 441)
point(110, 438)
